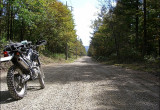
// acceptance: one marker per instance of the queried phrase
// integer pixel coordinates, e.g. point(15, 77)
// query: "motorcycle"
point(26, 66)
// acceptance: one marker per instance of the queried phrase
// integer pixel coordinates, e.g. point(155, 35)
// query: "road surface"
point(86, 85)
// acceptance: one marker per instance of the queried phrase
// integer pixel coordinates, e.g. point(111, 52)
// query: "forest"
point(126, 32)
point(35, 20)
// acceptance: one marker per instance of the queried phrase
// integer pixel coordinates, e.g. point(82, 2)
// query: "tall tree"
point(131, 29)
point(137, 19)
point(8, 20)
point(145, 30)
point(1, 9)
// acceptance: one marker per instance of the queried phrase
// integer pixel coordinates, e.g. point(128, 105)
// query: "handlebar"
point(24, 45)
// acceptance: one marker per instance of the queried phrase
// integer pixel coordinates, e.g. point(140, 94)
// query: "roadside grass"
point(51, 59)
point(71, 59)
point(150, 67)
point(47, 57)
point(56, 58)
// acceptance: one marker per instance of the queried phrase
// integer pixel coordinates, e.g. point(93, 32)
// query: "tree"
point(35, 20)
point(127, 31)
point(144, 27)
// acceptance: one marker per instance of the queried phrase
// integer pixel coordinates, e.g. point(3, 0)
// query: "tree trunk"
point(22, 31)
point(158, 32)
point(116, 45)
point(0, 20)
point(137, 18)
point(159, 47)
point(30, 34)
point(145, 30)
point(11, 24)
point(8, 21)
point(66, 51)
point(117, 48)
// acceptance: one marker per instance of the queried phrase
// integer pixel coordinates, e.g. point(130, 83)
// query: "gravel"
point(86, 85)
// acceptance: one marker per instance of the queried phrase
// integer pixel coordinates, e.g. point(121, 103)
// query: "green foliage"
point(48, 53)
point(3, 42)
point(34, 20)
point(119, 31)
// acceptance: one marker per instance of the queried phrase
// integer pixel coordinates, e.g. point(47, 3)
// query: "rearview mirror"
point(42, 42)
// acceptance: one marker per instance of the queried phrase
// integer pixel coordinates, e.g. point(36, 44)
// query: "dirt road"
point(85, 85)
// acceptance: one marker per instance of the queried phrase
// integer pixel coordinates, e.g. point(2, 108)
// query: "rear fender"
point(4, 59)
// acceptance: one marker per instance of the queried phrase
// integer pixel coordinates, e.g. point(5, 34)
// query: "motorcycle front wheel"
point(16, 88)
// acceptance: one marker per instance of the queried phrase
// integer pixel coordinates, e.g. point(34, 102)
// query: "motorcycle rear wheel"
point(16, 88)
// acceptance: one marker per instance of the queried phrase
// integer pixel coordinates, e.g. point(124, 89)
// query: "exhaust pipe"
point(23, 63)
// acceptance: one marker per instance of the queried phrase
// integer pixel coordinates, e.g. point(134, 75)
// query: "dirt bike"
point(26, 66)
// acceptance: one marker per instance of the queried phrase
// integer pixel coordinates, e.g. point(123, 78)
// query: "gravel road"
point(85, 85)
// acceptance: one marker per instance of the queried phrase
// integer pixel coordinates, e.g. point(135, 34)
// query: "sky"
point(84, 11)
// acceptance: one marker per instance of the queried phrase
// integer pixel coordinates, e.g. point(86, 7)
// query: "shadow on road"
point(123, 91)
point(73, 73)
point(5, 97)
point(124, 97)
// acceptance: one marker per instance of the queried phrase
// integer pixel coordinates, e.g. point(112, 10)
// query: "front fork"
point(40, 68)
point(39, 63)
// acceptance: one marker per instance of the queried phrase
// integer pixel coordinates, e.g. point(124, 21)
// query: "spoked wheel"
point(16, 88)
point(41, 77)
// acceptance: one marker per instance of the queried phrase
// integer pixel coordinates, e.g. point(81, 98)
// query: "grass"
point(150, 67)
point(56, 58)
point(49, 57)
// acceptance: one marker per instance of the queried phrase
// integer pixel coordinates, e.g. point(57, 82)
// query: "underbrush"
point(58, 59)
point(47, 57)
point(148, 64)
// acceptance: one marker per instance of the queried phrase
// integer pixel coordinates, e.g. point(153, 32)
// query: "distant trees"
point(39, 19)
point(128, 31)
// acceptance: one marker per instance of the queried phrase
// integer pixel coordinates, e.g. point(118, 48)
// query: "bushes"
point(3, 42)
point(53, 55)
